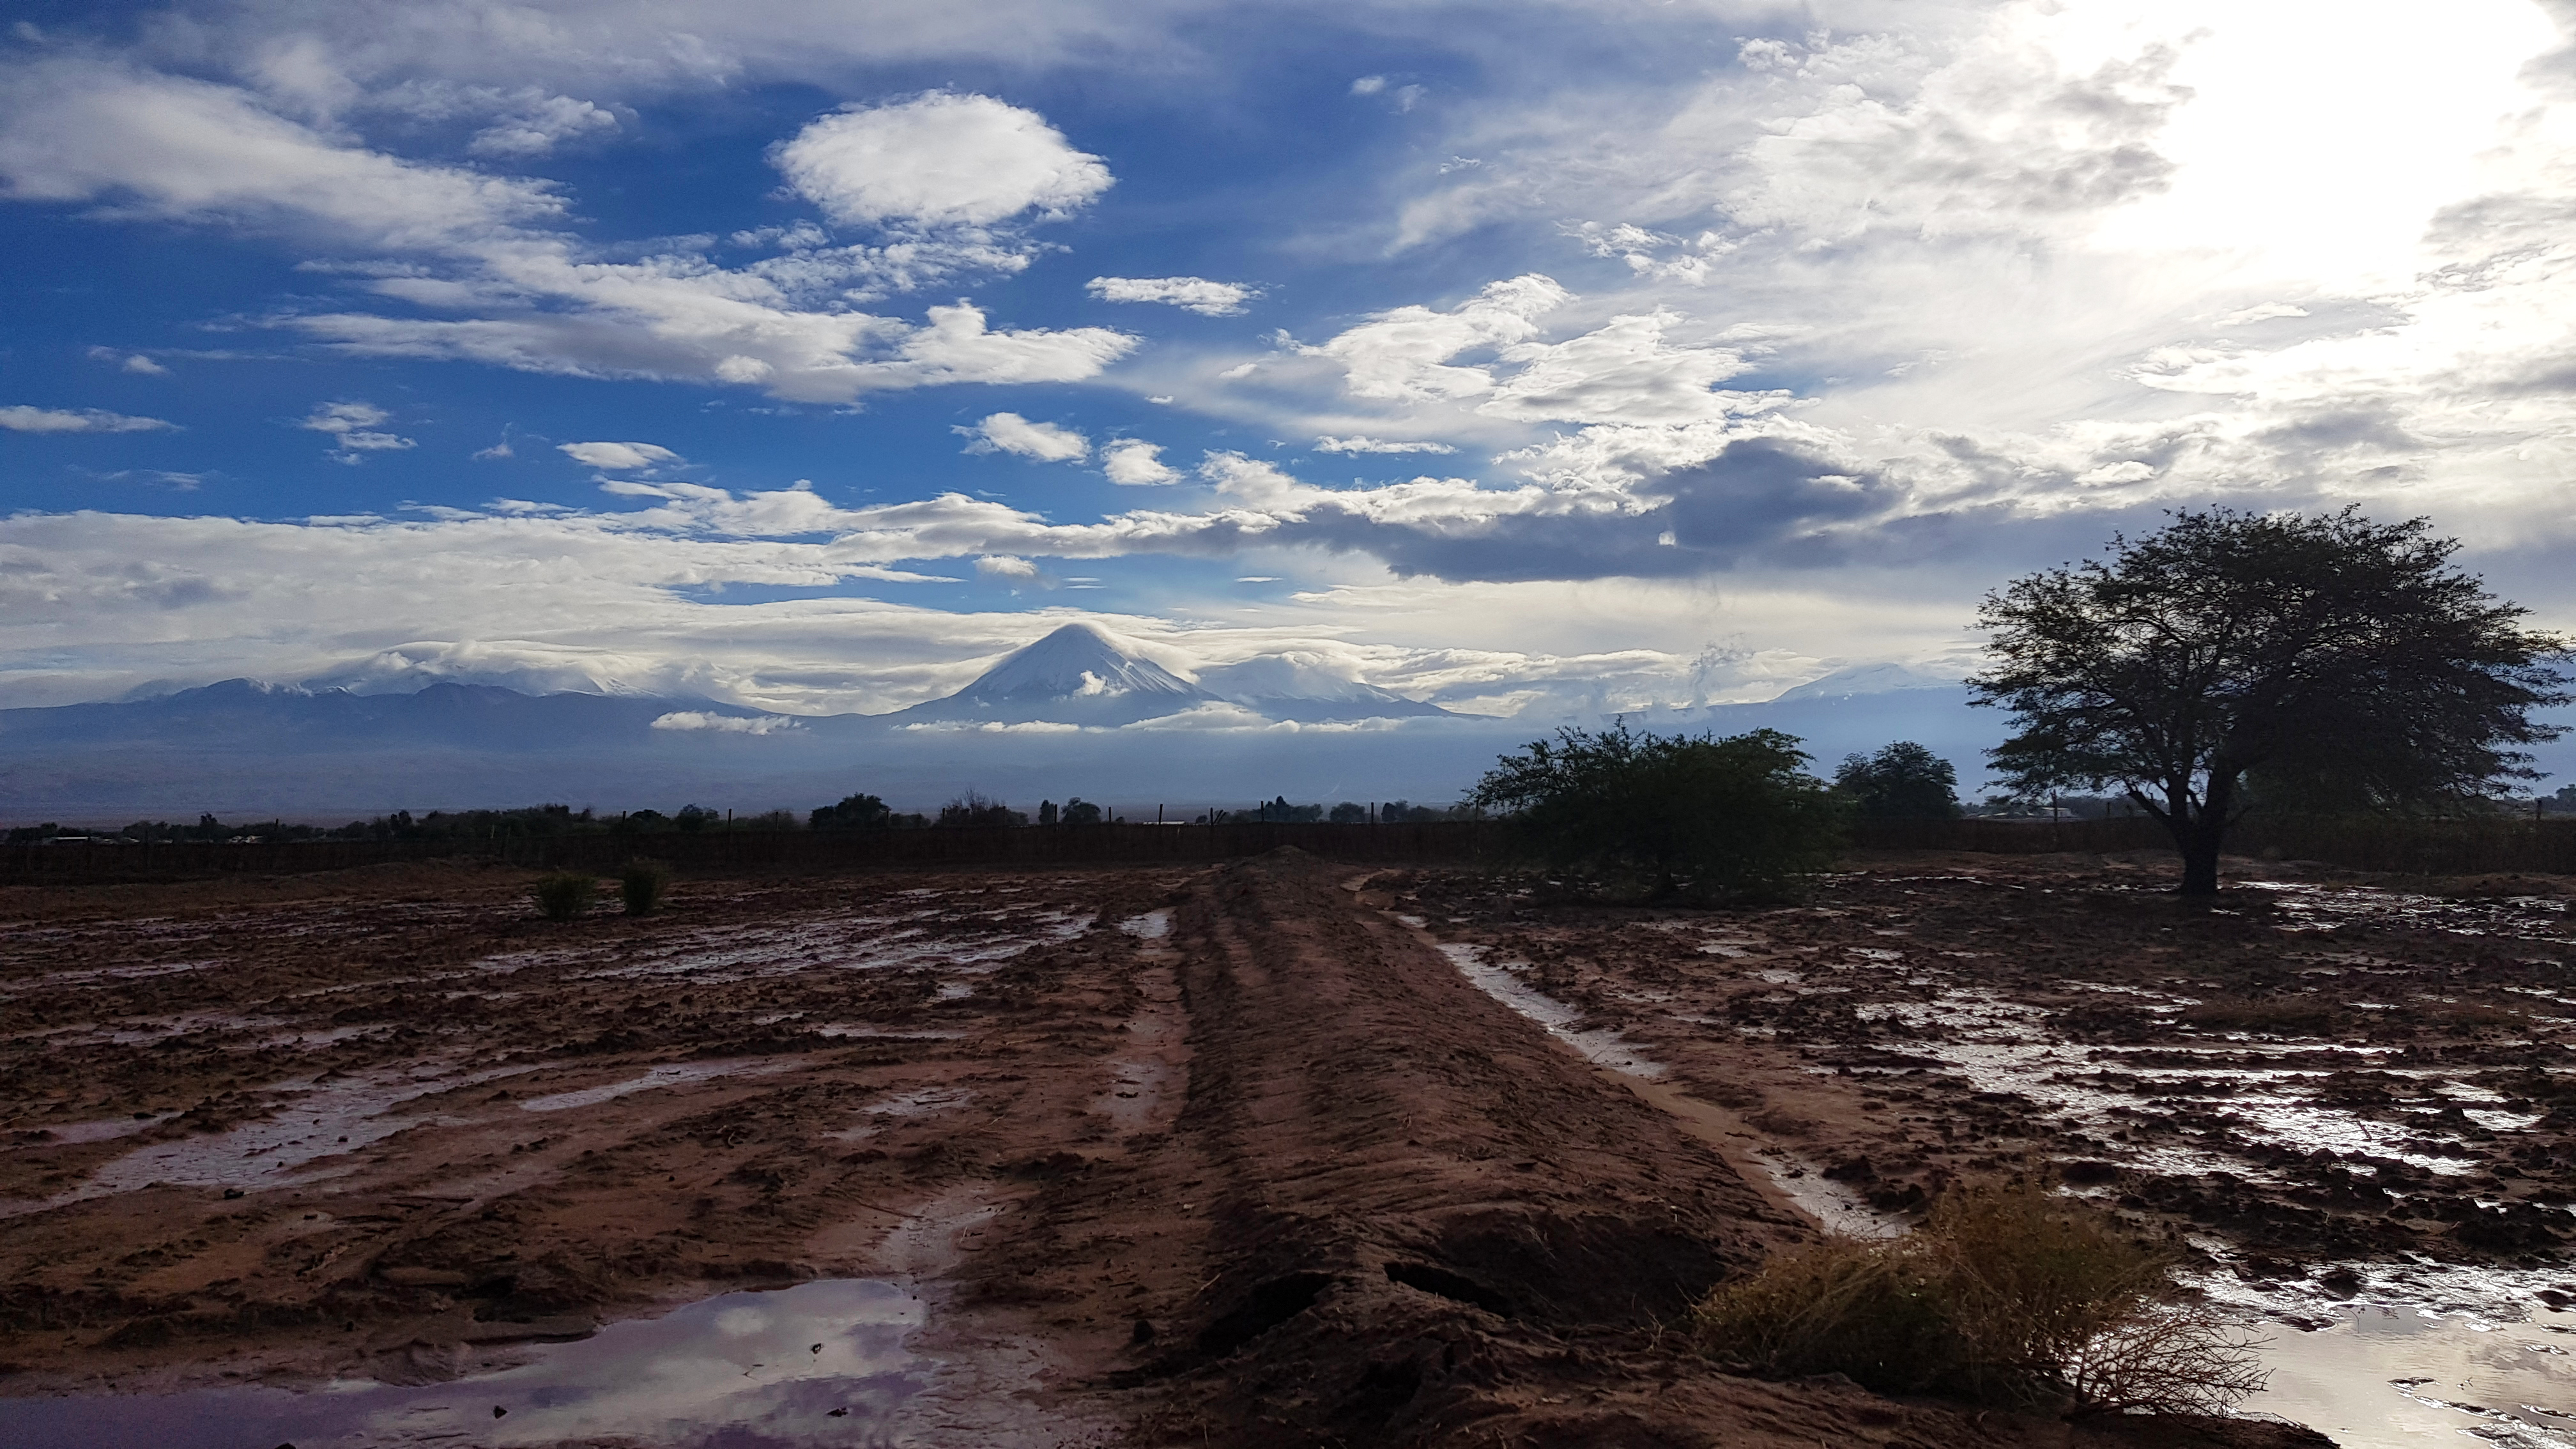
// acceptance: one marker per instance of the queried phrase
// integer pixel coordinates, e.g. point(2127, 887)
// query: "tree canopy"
point(2330, 650)
point(1904, 781)
point(1682, 814)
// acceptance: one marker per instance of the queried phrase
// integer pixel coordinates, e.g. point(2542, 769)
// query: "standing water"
point(821, 1364)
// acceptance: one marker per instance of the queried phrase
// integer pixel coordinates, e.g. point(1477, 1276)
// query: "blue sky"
point(1535, 359)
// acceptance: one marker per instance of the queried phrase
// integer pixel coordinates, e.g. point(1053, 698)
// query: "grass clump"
point(2009, 1294)
point(565, 894)
point(641, 884)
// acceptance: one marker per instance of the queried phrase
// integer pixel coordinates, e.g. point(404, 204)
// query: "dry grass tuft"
point(2008, 1293)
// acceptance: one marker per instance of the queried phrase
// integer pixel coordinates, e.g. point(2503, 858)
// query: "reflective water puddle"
point(818, 1364)
point(1601, 1046)
point(2401, 1378)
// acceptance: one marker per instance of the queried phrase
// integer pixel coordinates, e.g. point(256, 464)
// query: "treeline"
point(524, 823)
point(867, 812)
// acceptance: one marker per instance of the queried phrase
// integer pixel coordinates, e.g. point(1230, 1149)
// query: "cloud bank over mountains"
point(1522, 358)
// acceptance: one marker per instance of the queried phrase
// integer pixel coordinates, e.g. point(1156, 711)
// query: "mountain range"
point(1073, 713)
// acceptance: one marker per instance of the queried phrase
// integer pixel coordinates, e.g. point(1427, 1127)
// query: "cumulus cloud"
point(540, 125)
point(1378, 445)
point(607, 457)
point(1625, 371)
point(1039, 442)
point(1003, 566)
point(354, 429)
point(1136, 463)
point(1191, 294)
point(939, 160)
point(20, 418)
point(518, 290)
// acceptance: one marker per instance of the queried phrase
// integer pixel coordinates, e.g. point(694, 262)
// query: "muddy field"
point(1278, 1153)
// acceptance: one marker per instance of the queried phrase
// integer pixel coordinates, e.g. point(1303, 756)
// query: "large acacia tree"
point(2326, 650)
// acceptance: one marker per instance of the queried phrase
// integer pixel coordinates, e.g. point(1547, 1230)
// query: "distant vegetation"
point(2009, 1294)
point(1904, 781)
point(1679, 815)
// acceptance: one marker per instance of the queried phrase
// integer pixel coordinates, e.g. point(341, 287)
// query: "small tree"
point(855, 812)
point(1710, 817)
point(2331, 649)
point(1901, 782)
point(974, 808)
point(1078, 811)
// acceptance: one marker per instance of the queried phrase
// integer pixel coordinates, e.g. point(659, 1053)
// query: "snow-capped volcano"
point(1072, 676)
point(1303, 687)
point(1078, 675)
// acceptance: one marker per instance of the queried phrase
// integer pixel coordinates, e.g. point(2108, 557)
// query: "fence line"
point(2426, 847)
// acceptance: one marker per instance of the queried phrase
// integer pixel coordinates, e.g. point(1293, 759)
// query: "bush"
point(565, 894)
point(1901, 782)
point(854, 812)
point(640, 885)
point(2008, 1293)
point(1734, 817)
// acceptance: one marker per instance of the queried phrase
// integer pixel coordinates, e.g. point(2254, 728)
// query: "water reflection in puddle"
point(1601, 1046)
point(2401, 1378)
point(819, 1364)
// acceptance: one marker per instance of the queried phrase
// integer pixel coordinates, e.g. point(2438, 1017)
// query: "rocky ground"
point(1238, 1156)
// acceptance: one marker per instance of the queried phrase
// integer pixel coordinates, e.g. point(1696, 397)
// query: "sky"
point(1530, 358)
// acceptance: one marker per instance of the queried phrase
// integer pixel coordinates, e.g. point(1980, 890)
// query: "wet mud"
point(1155, 1157)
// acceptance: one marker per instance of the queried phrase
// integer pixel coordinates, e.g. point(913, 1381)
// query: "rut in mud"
point(1171, 1158)
point(1417, 1220)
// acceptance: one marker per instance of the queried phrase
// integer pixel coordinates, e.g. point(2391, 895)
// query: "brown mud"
point(1178, 1157)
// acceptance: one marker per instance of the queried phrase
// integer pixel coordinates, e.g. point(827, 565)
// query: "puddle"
point(663, 1076)
point(331, 1118)
point(922, 1102)
point(818, 1364)
point(1151, 926)
point(2401, 1378)
point(1601, 1046)
point(1835, 1208)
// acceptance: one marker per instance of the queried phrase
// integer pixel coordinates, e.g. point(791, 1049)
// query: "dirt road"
point(1173, 1158)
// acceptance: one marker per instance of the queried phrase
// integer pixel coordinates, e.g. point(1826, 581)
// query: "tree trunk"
point(2200, 863)
point(2200, 846)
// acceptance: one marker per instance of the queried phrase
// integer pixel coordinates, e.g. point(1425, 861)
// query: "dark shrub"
point(1713, 818)
point(566, 893)
point(640, 885)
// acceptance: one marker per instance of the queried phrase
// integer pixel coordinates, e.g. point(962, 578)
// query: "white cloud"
point(939, 160)
point(1039, 442)
point(698, 719)
point(167, 148)
point(1136, 463)
point(353, 427)
point(516, 290)
point(544, 123)
point(20, 418)
point(1378, 445)
point(1626, 371)
point(1192, 294)
point(1003, 566)
point(1368, 85)
point(1404, 354)
point(609, 457)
